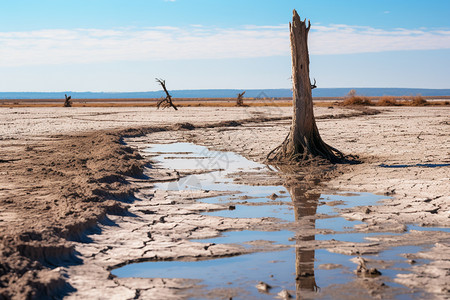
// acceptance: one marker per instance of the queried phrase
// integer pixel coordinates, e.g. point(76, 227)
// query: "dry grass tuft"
point(387, 101)
point(354, 99)
point(418, 100)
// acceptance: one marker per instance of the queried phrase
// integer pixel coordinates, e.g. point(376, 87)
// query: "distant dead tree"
point(303, 141)
point(313, 86)
point(166, 102)
point(68, 102)
point(240, 99)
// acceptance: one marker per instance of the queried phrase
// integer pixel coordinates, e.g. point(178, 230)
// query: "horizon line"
point(219, 89)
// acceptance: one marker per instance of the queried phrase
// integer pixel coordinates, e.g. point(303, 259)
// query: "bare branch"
point(313, 86)
point(165, 102)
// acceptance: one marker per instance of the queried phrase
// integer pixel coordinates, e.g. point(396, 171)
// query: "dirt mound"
point(70, 183)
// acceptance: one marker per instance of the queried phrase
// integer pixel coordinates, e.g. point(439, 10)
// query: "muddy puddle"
point(304, 265)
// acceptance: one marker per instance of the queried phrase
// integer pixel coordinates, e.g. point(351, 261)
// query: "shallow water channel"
point(295, 268)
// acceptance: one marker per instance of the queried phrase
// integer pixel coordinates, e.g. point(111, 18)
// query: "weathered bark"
point(166, 102)
point(303, 141)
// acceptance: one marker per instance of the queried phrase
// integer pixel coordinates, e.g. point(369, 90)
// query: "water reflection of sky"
point(275, 268)
point(244, 271)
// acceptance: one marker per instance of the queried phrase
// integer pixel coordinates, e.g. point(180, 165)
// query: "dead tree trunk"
point(68, 101)
point(240, 99)
point(303, 141)
point(166, 102)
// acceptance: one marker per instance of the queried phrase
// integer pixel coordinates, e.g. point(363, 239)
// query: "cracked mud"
point(71, 196)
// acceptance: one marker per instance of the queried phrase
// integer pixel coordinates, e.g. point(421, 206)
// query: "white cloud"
point(62, 46)
point(156, 43)
point(343, 39)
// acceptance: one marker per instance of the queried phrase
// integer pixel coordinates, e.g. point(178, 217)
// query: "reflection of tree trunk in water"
point(305, 209)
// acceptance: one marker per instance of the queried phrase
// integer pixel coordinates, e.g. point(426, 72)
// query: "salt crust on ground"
point(397, 136)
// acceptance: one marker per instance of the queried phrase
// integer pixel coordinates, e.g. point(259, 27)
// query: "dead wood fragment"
point(68, 101)
point(240, 99)
point(166, 102)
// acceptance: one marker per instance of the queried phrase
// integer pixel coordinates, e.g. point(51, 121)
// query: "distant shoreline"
point(226, 93)
point(212, 102)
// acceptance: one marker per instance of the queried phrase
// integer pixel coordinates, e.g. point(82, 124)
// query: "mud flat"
point(71, 190)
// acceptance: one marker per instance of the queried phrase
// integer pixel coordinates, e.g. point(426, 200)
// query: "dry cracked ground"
point(77, 196)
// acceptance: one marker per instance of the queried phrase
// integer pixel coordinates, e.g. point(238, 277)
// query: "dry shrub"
point(387, 101)
point(354, 99)
point(418, 100)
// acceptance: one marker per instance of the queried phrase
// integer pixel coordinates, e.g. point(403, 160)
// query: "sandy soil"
point(64, 170)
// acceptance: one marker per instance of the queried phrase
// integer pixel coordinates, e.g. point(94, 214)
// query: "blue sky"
point(122, 45)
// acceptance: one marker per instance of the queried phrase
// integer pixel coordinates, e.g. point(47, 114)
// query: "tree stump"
point(240, 99)
point(303, 141)
point(68, 101)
